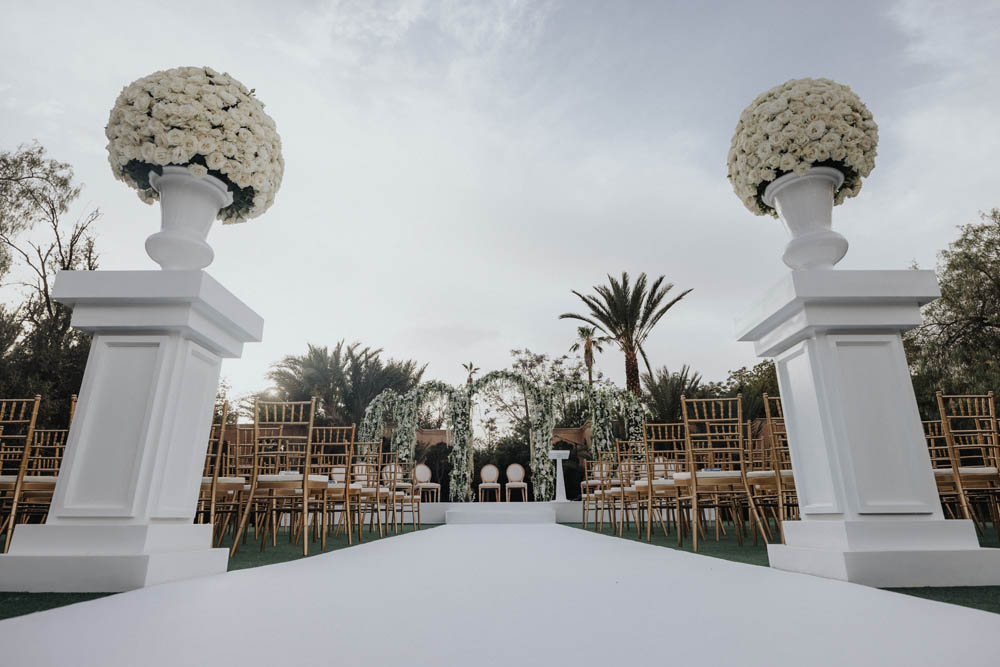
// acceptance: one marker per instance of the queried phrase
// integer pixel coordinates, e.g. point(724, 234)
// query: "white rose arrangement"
point(802, 123)
point(198, 118)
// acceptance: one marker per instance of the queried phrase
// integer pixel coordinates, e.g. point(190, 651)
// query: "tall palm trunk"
point(632, 372)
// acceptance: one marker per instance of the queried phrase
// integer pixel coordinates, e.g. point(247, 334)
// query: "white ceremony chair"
point(515, 480)
point(422, 474)
point(489, 475)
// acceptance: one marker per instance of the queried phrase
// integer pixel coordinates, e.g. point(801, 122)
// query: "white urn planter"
point(189, 205)
point(805, 204)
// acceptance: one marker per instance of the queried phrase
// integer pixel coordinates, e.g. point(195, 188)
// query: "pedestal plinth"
point(122, 511)
point(869, 503)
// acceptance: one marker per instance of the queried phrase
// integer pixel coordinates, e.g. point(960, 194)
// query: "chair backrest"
point(715, 433)
point(283, 437)
point(47, 452)
point(937, 444)
point(366, 464)
point(333, 451)
point(515, 472)
point(422, 473)
point(214, 454)
point(970, 427)
point(630, 459)
point(666, 448)
point(489, 473)
point(17, 433)
point(776, 433)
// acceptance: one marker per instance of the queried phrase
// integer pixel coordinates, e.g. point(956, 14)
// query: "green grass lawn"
point(986, 598)
point(249, 555)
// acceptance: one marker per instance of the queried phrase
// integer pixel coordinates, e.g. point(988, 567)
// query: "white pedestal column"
point(868, 499)
point(122, 512)
point(559, 455)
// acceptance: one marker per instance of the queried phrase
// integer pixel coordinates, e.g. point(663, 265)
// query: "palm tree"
point(627, 314)
point(588, 339)
point(664, 390)
point(344, 378)
point(471, 369)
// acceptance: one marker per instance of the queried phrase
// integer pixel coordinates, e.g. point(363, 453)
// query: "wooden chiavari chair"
point(399, 477)
point(715, 474)
point(605, 492)
point(941, 464)
point(776, 434)
point(333, 450)
point(666, 452)
point(630, 470)
point(369, 498)
point(282, 480)
point(17, 435)
point(592, 481)
point(969, 424)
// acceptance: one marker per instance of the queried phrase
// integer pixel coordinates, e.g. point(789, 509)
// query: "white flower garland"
point(798, 125)
point(199, 118)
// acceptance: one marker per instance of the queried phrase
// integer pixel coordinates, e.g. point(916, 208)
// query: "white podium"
point(559, 455)
point(122, 512)
point(869, 503)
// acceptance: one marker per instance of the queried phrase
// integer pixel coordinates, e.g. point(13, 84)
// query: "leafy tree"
point(957, 349)
point(41, 352)
point(590, 342)
point(664, 390)
point(345, 379)
point(626, 314)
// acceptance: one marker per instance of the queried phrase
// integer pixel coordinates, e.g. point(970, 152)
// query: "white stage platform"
point(515, 512)
point(504, 595)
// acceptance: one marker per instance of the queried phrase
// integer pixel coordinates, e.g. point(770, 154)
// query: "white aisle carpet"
point(504, 595)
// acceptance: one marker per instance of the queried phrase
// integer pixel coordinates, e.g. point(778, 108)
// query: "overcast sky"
point(454, 169)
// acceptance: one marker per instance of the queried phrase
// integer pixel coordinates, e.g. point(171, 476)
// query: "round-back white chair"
point(422, 474)
point(515, 480)
point(489, 476)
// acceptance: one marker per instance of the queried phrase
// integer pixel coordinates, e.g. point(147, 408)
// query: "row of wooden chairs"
point(711, 464)
point(964, 447)
point(284, 471)
point(30, 458)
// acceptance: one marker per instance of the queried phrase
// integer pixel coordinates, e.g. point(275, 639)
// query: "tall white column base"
point(888, 554)
point(867, 496)
point(122, 511)
point(47, 558)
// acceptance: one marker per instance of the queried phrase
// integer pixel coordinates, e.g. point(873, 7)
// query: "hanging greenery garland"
point(606, 404)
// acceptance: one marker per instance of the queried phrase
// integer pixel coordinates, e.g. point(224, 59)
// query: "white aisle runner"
point(507, 595)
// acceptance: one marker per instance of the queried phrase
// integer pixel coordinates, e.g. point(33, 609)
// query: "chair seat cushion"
point(968, 470)
point(656, 482)
point(428, 485)
point(291, 477)
point(517, 485)
point(29, 479)
point(766, 474)
point(710, 474)
point(225, 480)
point(489, 485)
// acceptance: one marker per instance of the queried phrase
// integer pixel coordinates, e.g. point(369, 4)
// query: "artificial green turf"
point(249, 555)
point(986, 598)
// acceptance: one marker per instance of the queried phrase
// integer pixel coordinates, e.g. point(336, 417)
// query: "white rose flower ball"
point(802, 123)
point(201, 119)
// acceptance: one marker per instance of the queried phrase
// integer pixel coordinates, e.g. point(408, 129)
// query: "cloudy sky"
point(454, 169)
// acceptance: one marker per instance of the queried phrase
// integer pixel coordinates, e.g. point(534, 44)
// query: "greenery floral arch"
point(605, 403)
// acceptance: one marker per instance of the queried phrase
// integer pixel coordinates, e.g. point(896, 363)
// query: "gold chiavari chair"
point(605, 491)
point(369, 498)
point(593, 472)
point(969, 424)
point(940, 455)
point(630, 470)
point(17, 433)
point(715, 474)
point(333, 450)
point(776, 434)
point(282, 483)
point(666, 452)
point(399, 476)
